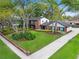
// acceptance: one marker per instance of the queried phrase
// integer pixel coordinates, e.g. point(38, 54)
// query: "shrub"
point(7, 30)
point(21, 35)
point(14, 36)
point(29, 35)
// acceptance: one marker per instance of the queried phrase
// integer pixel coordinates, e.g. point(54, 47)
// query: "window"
point(61, 28)
point(70, 23)
point(32, 22)
point(46, 20)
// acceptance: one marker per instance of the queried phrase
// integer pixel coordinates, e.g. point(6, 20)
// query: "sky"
point(72, 14)
point(66, 13)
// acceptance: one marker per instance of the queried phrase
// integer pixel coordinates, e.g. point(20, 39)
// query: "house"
point(59, 26)
point(73, 21)
point(35, 23)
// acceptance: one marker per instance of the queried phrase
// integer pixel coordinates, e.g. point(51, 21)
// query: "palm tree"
point(72, 5)
point(56, 13)
point(5, 9)
point(22, 11)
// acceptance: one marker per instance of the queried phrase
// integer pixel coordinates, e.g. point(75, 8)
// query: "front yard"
point(42, 39)
point(6, 53)
point(69, 51)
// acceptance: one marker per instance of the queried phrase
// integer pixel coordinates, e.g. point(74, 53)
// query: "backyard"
point(42, 39)
point(69, 51)
point(6, 53)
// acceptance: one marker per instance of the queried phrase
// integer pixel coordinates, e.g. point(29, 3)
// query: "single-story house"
point(57, 25)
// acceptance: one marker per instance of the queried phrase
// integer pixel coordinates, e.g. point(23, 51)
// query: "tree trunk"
point(24, 22)
point(55, 28)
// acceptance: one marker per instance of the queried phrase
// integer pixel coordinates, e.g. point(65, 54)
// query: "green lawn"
point(69, 51)
point(6, 53)
point(41, 40)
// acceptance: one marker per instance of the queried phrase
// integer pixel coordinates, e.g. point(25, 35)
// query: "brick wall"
point(37, 24)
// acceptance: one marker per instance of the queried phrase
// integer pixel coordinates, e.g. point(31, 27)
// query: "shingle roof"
point(64, 23)
point(60, 22)
point(37, 18)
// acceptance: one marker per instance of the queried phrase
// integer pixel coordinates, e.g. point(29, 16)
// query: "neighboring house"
point(73, 21)
point(61, 26)
point(35, 23)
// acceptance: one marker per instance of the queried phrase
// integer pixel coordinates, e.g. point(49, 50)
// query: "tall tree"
point(72, 5)
point(21, 11)
point(5, 9)
point(56, 14)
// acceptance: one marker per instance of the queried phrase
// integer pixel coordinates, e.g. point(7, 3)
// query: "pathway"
point(14, 49)
point(53, 47)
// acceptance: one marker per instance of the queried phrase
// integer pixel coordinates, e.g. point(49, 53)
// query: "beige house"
point(59, 26)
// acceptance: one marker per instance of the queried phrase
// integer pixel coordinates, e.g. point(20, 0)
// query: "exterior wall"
point(69, 29)
point(58, 25)
point(65, 29)
point(43, 20)
point(62, 29)
point(37, 24)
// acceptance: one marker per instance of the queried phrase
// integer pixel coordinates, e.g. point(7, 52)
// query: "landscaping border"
point(21, 49)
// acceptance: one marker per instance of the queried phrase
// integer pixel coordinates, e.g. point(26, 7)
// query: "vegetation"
point(10, 9)
point(28, 9)
point(42, 39)
point(72, 5)
point(69, 51)
point(25, 35)
point(6, 53)
point(7, 30)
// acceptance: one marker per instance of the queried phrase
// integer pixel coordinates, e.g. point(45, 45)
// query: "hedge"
point(21, 35)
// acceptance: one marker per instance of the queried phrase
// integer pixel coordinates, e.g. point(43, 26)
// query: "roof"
point(63, 23)
point(38, 18)
point(60, 22)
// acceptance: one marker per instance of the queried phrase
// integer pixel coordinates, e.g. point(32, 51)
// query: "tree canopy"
point(73, 5)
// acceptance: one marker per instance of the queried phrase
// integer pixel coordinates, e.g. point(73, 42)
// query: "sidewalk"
point(14, 49)
point(53, 47)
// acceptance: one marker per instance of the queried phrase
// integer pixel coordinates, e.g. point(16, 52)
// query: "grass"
point(6, 53)
point(69, 51)
point(42, 39)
